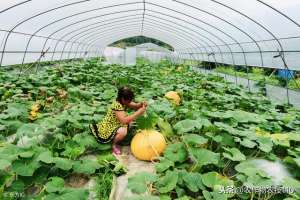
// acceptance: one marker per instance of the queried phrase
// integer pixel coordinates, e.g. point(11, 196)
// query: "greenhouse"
point(150, 100)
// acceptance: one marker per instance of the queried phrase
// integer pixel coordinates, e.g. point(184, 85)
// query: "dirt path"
point(133, 165)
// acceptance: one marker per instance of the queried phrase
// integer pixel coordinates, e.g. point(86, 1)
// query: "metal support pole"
point(205, 70)
point(287, 88)
point(281, 55)
point(214, 60)
point(236, 81)
point(247, 68)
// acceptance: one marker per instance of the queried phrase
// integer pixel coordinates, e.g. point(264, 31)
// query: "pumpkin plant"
point(148, 144)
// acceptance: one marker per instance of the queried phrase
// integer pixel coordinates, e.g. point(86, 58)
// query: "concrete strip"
point(133, 165)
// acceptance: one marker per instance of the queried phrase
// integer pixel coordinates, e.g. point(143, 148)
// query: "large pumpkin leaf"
point(73, 150)
point(294, 136)
point(26, 154)
point(165, 127)
point(203, 156)
point(11, 125)
point(86, 166)
point(4, 164)
point(50, 123)
point(193, 181)
point(17, 186)
point(2, 127)
point(212, 179)
point(161, 107)
point(281, 139)
point(297, 161)
point(248, 168)
point(85, 140)
point(234, 154)
point(16, 110)
point(63, 163)
point(185, 126)
point(214, 195)
point(168, 182)
point(225, 127)
point(265, 144)
point(25, 167)
point(140, 182)
point(31, 130)
point(9, 152)
point(291, 183)
point(56, 184)
point(69, 194)
point(46, 157)
point(243, 116)
point(147, 121)
point(257, 180)
point(194, 139)
point(163, 165)
point(248, 143)
point(176, 152)
point(189, 125)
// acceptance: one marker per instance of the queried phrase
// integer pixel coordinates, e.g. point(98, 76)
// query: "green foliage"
point(147, 121)
point(187, 125)
point(56, 184)
point(165, 128)
point(294, 84)
point(234, 154)
point(133, 41)
point(167, 182)
point(54, 143)
point(210, 138)
point(140, 182)
point(212, 135)
point(204, 157)
point(262, 75)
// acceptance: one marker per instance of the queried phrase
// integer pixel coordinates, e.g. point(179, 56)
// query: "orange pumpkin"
point(148, 145)
point(173, 96)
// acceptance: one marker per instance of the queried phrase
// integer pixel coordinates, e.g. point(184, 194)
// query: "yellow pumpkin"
point(34, 111)
point(179, 69)
point(173, 96)
point(35, 107)
point(33, 115)
point(148, 144)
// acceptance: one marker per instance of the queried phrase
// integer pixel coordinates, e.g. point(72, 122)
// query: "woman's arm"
point(127, 119)
point(135, 106)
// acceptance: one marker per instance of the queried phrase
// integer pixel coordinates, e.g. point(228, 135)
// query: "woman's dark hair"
point(125, 93)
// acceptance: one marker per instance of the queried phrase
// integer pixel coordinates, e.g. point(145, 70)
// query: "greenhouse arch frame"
point(229, 31)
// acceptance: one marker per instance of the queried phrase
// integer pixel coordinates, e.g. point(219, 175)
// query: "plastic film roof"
point(242, 32)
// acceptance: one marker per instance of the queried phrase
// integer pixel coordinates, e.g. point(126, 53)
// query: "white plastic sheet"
point(238, 32)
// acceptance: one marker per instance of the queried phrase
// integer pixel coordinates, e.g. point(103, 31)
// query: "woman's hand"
point(145, 103)
point(142, 110)
point(136, 106)
point(125, 119)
